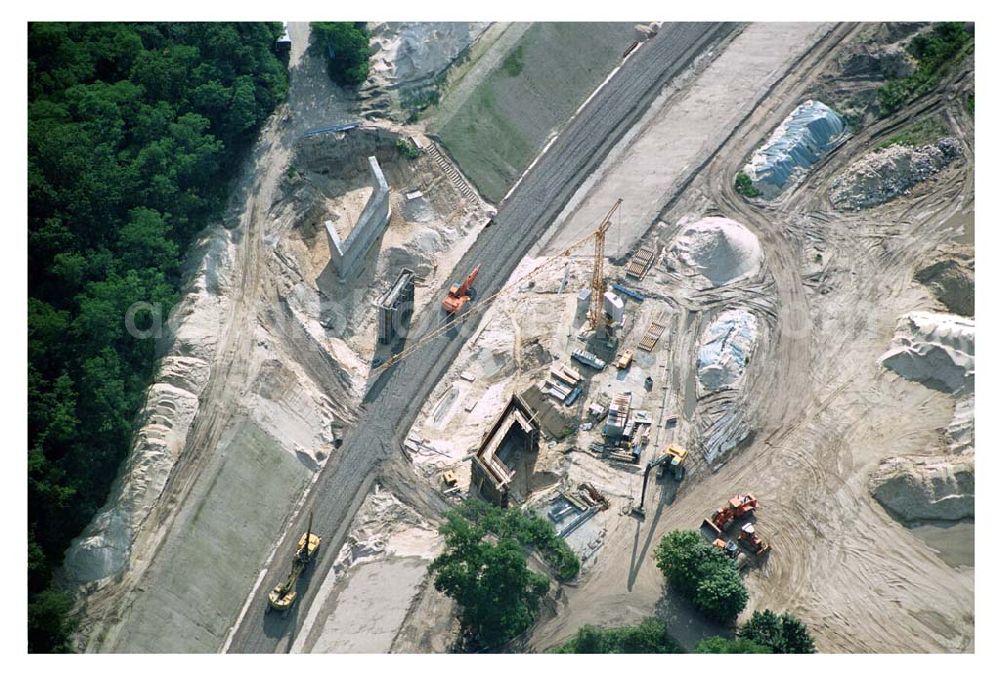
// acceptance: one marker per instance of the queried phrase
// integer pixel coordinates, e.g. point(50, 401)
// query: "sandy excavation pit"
point(431, 224)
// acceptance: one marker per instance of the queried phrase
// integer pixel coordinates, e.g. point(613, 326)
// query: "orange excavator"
point(459, 294)
point(741, 505)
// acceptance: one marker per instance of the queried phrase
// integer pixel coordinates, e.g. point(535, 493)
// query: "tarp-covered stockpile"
point(725, 350)
point(799, 142)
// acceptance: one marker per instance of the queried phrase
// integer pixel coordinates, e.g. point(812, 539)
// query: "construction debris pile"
point(885, 174)
point(726, 346)
point(719, 249)
point(800, 141)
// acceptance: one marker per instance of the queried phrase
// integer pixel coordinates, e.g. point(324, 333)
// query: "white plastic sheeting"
point(726, 346)
point(799, 142)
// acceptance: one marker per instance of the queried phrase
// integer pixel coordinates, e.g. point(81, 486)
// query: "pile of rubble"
point(887, 173)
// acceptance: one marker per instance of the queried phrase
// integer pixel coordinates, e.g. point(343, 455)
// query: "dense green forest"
point(134, 131)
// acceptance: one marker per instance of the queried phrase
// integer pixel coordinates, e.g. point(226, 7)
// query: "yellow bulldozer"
point(284, 594)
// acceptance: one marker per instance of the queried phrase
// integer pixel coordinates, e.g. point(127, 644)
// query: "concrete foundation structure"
point(505, 461)
point(395, 307)
point(348, 256)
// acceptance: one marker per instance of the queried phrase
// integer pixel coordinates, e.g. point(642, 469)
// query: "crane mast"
point(597, 283)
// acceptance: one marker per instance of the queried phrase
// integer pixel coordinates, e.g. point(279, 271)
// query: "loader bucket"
point(709, 530)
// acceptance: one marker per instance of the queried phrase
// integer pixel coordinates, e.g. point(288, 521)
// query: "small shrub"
point(407, 149)
point(745, 187)
point(514, 63)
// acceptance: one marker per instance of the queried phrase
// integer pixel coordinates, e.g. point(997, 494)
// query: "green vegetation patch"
point(744, 186)
point(781, 634)
point(936, 52)
point(407, 149)
point(528, 529)
point(344, 45)
point(498, 595)
point(703, 574)
point(650, 636)
point(723, 645)
point(133, 133)
point(503, 125)
point(918, 134)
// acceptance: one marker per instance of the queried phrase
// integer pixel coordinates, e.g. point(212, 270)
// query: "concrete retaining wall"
point(348, 256)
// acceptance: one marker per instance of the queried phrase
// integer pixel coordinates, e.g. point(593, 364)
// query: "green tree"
point(648, 637)
point(782, 634)
point(345, 46)
point(49, 627)
point(703, 574)
point(497, 594)
point(723, 645)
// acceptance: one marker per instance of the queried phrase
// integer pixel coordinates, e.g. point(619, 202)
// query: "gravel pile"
point(887, 173)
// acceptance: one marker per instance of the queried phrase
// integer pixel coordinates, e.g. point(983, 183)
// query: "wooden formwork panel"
point(640, 263)
point(652, 335)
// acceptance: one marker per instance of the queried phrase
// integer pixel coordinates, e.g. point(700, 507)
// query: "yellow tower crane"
point(597, 283)
point(598, 287)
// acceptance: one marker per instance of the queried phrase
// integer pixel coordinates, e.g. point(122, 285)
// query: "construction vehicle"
point(661, 461)
point(459, 294)
point(732, 550)
point(678, 457)
point(624, 360)
point(754, 543)
point(738, 507)
point(284, 594)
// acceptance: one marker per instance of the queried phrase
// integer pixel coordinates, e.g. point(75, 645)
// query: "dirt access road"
point(395, 398)
point(824, 411)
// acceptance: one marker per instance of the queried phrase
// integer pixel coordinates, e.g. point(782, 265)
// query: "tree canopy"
point(703, 574)
point(344, 45)
point(497, 594)
point(134, 130)
point(782, 634)
point(723, 645)
point(650, 636)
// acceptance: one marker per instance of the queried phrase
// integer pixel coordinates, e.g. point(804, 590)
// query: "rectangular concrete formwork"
point(491, 477)
point(348, 256)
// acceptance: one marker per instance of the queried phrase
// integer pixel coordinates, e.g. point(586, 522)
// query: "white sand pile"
point(890, 172)
point(717, 248)
point(726, 346)
point(926, 488)
point(408, 52)
point(935, 349)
